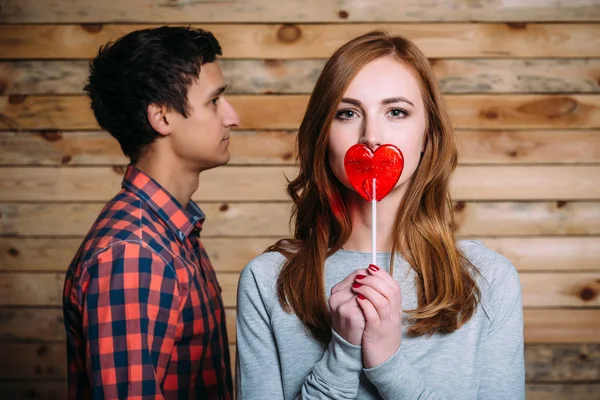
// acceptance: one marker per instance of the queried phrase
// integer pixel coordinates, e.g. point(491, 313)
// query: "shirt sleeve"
point(503, 371)
point(258, 370)
point(130, 312)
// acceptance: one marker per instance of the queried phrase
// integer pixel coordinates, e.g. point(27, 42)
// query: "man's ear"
point(157, 116)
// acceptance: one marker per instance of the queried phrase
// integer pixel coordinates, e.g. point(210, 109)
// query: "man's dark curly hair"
point(141, 68)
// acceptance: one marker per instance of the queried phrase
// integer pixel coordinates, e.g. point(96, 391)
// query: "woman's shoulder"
point(263, 269)
point(496, 274)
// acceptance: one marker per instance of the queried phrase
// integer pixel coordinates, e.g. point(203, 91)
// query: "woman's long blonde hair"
point(424, 234)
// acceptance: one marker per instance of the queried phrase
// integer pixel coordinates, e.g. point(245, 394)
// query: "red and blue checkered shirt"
point(142, 306)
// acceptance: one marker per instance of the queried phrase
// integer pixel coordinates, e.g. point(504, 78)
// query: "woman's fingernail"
point(360, 296)
point(356, 285)
point(360, 277)
point(373, 267)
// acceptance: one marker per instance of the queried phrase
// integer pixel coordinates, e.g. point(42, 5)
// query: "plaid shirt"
point(142, 306)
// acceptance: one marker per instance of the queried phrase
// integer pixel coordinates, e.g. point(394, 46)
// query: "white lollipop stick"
point(374, 225)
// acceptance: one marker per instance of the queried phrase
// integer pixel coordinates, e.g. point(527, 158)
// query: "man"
point(142, 306)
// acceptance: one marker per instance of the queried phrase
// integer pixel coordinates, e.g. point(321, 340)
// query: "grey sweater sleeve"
point(334, 376)
point(502, 371)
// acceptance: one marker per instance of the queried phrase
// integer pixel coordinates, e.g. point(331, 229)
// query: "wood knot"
point(42, 350)
point(16, 98)
point(51, 136)
point(587, 294)
point(66, 159)
point(550, 107)
point(92, 28)
point(460, 206)
point(224, 207)
point(343, 14)
point(517, 25)
point(287, 156)
point(272, 63)
point(119, 169)
point(561, 204)
point(513, 153)
point(289, 33)
point(490, 114)
point(13, 252)
point(584, 357)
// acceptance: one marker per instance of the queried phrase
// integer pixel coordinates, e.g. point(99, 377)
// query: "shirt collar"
point(183, 221)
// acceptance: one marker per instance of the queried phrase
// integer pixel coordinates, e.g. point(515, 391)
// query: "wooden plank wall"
point(522, 82)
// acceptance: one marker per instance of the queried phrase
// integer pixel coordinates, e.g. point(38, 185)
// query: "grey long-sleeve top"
point(277, 358)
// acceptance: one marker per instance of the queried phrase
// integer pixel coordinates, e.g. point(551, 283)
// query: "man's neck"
point(179, 181)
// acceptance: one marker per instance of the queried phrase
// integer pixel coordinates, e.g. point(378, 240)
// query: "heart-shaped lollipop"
point(362, 165)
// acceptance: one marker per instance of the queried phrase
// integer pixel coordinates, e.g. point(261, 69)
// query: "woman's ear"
point(157, 117)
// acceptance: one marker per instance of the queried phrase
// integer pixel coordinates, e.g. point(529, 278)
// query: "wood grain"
point(271, 219)
point(477, 147)
point(541, 325)
point(291, 41)
point(543, 363)
point(577, 253)
point(30, 11)
point(258, 183)
point(282, 112)
point(299, 76)
point(57, 390)
point(541, 289)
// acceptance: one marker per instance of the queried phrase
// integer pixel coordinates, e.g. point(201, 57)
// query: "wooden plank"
point(529, 147)
point(543, 363)
point(226, 254)
point(47, 325)
point(523, 219)
point(546, 253)
point(561, 326)
point(99, 148)
point(258, 183)
point(481, 147)
point(57, 390)
point(541, 325)
point(299, 76)
point(579, 253)
point(41, 361)
point(29, 11)
point(561, 391)
point(562, 363)
point(45, 289)
point(546, 289)
point(271, 219)
point(288, 41)
point(72, 112)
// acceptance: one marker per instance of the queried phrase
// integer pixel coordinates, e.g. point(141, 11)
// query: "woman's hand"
point(380, 298)
point(347, 317)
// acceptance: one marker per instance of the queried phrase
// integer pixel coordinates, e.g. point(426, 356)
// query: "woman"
point(315, 320)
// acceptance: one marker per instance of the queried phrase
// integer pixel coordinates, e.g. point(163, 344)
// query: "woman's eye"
point(346, 114)
point(398, 113)
point(214, 101)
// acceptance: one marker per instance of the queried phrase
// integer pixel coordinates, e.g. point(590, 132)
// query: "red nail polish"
point(359, 277)
point(373, 267)
point(360, 296)
point(356, 285)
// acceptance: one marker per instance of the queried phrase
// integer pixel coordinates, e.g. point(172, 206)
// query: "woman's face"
point(382, 105)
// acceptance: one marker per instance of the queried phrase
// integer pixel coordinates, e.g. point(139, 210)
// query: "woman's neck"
point(361, 215)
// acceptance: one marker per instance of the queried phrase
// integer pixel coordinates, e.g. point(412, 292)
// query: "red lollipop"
point(363, 166)
point(373, 175)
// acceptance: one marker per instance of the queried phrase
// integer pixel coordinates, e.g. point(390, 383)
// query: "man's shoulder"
point(123, 220)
